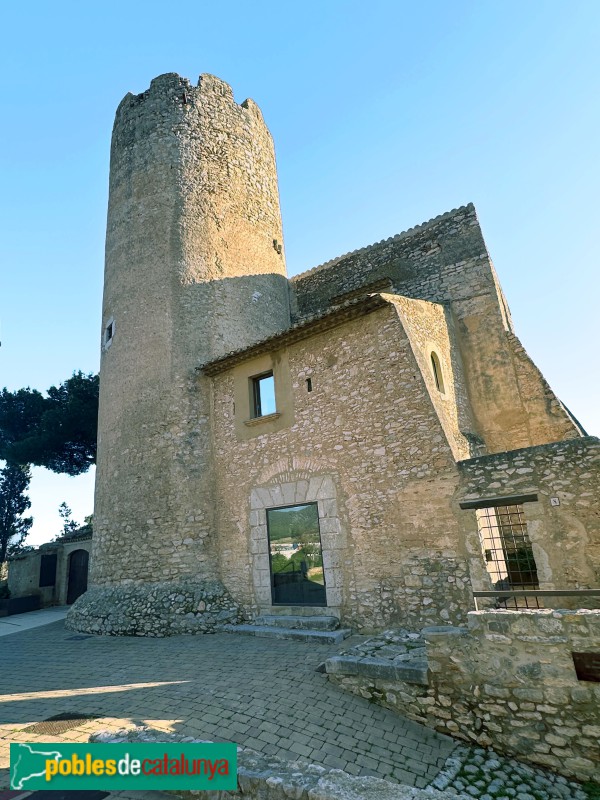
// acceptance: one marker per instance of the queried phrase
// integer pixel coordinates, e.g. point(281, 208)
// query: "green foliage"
point(14, 501)
point(70, 527)
point(58, 431)
point(294, 524)
point(297, 562)
point(278, 562)
point(88, 524)
point(592, 789)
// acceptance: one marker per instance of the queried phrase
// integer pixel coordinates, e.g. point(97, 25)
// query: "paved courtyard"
point(264, 694)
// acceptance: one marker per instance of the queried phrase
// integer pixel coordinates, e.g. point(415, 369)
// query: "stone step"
point(298, 611)
point(297, 634)
point(295, 621)
point(409, 671)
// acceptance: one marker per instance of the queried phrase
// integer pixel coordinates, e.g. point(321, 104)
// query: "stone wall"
point(446, 261)
point(158, 609)
point(191, 273)
point(430, 587)
point(24, 572)
point(374, 427)
point(430, 328)
point(510, 682)
point(539, 399)
point(24, 577)
point(564, 523)
point(507, 681)
point(367, 445)
point(427, 262)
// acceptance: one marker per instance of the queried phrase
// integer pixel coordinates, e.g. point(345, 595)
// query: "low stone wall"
point(158, 609)
point(563, 524)
point(407, 699)
point(432, 588)
point(510, 681)
point(391, 669)
point(270, 778)
point(507, 681)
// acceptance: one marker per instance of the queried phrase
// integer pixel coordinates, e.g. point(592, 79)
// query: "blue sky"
point(384, 114)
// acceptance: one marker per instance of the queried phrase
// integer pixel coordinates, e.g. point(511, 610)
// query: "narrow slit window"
point(309, 385)
point(263, 395)
point(436, 368)
point(109, 332)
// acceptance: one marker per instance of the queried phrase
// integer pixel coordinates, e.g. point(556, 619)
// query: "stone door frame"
point(320, 490)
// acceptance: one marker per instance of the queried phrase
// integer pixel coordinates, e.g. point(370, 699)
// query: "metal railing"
point(499, 594)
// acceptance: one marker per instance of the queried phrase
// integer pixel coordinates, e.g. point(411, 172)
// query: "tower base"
point(154, 609)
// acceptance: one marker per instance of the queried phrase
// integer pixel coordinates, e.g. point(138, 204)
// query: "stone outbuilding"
point(56, 572)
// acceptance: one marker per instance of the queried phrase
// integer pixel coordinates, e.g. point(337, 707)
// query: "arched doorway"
point(78, 574)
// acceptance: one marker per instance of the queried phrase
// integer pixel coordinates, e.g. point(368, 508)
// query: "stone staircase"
point(321, 628)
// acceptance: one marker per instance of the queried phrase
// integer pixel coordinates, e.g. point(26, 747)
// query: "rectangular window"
point(508, 552)
point(48, 570)
point(587, 666)
point(263, 395)
point(297, 575)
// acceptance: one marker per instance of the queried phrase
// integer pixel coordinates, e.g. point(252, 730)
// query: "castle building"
point(368, 440)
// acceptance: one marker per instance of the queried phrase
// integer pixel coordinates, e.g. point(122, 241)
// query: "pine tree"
point(14, 501)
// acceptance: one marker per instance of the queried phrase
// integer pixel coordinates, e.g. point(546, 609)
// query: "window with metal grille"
point(508, 552)
point(48, 570)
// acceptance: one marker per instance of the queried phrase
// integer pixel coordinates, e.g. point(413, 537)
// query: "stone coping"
point(394, 655)
point(509, 455)
point(420, 228)
point(379, 669)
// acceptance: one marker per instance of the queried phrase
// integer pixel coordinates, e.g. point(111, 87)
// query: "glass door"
point(297, 577)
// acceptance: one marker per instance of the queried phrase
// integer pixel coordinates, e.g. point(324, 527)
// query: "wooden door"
point(78, 575)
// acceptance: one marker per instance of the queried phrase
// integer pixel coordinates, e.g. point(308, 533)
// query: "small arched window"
point(436, 368)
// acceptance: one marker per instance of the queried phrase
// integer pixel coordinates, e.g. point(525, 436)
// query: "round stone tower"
point(194, 269)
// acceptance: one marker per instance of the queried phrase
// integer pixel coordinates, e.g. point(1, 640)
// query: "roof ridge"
point(402, 235)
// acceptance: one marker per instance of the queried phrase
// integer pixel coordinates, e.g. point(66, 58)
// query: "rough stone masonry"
point(400, 393)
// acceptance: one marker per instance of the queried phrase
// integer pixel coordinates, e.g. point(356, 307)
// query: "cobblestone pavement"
point(261, 693)
point(483, 774)
point(264, 694)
